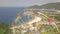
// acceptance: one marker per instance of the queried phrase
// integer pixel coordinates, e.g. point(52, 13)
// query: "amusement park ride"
point(31, 22)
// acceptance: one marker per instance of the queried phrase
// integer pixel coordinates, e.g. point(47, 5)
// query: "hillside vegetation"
point(47, 6)
point(4, 28)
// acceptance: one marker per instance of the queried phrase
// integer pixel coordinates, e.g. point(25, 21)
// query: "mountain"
point(51, 5)
point(47, 6)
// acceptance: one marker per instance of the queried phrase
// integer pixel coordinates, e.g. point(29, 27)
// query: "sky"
point(24, 3)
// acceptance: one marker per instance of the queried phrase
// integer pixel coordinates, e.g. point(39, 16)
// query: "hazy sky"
point(18, 3)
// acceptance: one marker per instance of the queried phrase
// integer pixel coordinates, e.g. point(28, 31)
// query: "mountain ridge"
point(47, 6)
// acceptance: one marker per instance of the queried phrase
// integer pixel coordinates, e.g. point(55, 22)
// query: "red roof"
point(51, 20)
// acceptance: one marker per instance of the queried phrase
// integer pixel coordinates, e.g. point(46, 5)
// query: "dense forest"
point(4, 28)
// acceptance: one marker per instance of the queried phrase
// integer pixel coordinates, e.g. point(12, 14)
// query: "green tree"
point(4, 28)
point(57, 17)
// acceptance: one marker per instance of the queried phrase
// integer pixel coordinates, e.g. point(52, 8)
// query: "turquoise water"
point(25, 19)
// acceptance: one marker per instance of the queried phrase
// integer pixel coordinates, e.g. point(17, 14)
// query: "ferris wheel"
point(31, 20)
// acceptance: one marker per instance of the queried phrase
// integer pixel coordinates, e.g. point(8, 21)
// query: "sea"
point(8, 14)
